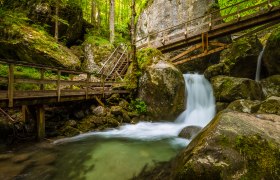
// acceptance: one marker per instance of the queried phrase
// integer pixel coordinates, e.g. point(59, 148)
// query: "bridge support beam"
point(40, 118)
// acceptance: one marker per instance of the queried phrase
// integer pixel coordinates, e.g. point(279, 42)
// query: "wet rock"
point(98, 111)
point(162, 88)
point(214, 70)
point(116, 110)
point(124, 104)
point(271, 86)
point(244, 105)
point(45, 159)
point(69, 131)
point(271, 56)
point(228, 89)
point(21, 157)
point(43, 172)
point(270, 106)
point(221, 106)
point(10, 170)
point(71, 123)
point(114, 99)
point(233, 146)
point(189, 132)
point(79, 114)
point(126, 117)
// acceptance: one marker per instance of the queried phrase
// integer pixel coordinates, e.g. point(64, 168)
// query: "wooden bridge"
point(201, 33)
point(51, 85)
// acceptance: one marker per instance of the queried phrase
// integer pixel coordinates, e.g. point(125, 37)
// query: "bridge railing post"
point(58, 85)
point(42, 72)
point(87, 84)
point(210, 21)
point(11, 85)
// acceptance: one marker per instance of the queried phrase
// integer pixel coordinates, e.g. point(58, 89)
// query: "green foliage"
point(263, 157)
point(138, 105)
point(147, 56)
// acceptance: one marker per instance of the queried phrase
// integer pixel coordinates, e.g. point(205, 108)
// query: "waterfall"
point(258, 71)
point(200, 110)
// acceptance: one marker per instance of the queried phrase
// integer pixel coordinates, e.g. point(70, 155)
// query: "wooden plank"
point(200, 55)
point(186, 52)
point(11, 85)
point(87, 84)
point(35, 81)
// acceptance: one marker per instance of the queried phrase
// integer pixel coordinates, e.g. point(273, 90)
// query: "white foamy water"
point(200, 111)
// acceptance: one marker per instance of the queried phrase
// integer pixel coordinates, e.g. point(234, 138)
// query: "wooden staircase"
point(116, 65)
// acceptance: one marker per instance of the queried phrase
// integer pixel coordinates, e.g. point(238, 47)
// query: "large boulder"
point(162, 88)
point(228, 89)
point(21, 42)
point(244, 105)
point(271, 86)
point(271, 56)
point(239, 60)
point(234, 146)
point(189, 132)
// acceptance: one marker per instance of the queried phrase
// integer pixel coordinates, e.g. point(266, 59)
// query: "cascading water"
point(122, 153)
point(258, 71)
point(200, 110)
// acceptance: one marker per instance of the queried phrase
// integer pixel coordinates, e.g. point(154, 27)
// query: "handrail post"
point(58, 85)
point(210, 23)
point(11, 85)
point(42, 72)
point(87, 84)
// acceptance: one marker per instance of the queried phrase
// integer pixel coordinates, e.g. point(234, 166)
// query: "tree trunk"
point(93, 12)
point(56, 21)
point(133, 36)
point(112, 21)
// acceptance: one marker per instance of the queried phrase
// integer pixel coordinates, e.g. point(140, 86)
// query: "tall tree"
point(133, 36)
point(93, 11)
point(56, 20)
point(112, 21)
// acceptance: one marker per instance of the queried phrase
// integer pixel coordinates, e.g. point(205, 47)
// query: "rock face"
point(239, 60)
point(162, 88)
point(244, 105)
point(271, 57)
point(271, 86)
point(234, 146)
point(270, 106)
point(162, 14)
point(189, 132)
point(228, 89)
point(23, 43)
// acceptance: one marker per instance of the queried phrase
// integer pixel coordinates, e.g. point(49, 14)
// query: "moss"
point(263, 157)
point(147, 56)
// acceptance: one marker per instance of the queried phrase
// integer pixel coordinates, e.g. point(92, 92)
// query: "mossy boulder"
point(271, 86)
point(21, 42)
point(271, 56)
point(233, 146)
point(239, 60)
point(93, 122)
point(270, 106)
point(228, 89)
point(221, 106)
point(244, 105)
point(162, 88)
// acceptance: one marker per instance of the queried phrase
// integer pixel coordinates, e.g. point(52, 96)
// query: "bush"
point(138, 105)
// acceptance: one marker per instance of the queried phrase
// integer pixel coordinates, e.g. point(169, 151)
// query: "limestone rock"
point(271, 56)
point(162, 14)
point(98, 111)
point(221, 106)
point(239, 60)
point(189, 132)
point(270, 106)
point(233, 146)
point(116, 110)
point(271, 86)
point(228, 89)
point(161, 87)
point(23, 43)
point(244, 105)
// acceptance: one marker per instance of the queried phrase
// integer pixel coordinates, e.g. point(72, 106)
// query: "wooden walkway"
point(60, 87)
point(201, 33)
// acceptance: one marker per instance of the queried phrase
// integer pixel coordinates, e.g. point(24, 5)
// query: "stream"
point(117, 154)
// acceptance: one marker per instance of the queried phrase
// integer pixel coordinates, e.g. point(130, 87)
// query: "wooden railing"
point(61, 84)
point(206, 23)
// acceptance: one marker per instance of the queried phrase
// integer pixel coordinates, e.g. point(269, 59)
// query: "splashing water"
point(258, 71)
point(200, 110)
